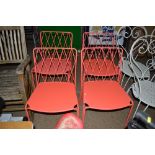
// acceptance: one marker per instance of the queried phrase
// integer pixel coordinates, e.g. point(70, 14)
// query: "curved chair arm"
point(149, 69)
point(24, 78)
point(136, 79)
point(20, 69)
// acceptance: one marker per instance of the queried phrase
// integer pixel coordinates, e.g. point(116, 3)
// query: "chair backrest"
point(143, 46)
point(130, 34)
point(56, 39)
point(106, 61)
point(153, 31)
point(54, 64)
point(95, 39)
point(12, 44)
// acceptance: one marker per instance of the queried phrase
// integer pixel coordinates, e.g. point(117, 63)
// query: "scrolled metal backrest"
point(151, 61)
point(54, 64)
point(101, 63)
point(130, 33)
point(56, 39)
point(142, 46)
point(12, 44)
point(153, 32)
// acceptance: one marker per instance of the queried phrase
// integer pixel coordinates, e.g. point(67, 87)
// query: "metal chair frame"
point(114, 54)
point(53, 78)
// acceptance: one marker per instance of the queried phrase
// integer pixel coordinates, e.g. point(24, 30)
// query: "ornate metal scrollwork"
point(135, 32)
point(145, 44)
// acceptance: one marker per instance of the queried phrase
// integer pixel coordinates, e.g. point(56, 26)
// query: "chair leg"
point(127, 119)
point(128, 90)
point(146, 108)
point(136, 109)
point(78, 111)
point(29, 114)
point(83, 113)
point(81, 97)
point(127, 82)
point(122, 79)
point(68, 76)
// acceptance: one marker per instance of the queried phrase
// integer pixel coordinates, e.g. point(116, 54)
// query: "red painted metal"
point(54, 64)
point(55, 85)
point(95, 62)
point(101, 63)
point(56, 39)
point(100, 78)
point(69, 121)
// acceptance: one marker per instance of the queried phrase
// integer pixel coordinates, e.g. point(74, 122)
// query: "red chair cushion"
point(53, 97)
point(105, 95)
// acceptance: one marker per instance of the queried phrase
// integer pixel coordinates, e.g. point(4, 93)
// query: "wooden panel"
point(2, 56)
point(14, 106)
point(15, 43)
point(12, 44)
point(4, 43)
point(23, 42)
point(10, 93)
point(10, 109)
point(8, 69)
point(16, 125)
point(8, 45)
point(10, 61)
point(14, 103)
point(9, 27)
point(9, 84)
point(19, 44)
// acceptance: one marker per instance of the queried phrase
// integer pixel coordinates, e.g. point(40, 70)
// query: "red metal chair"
point(54, 91)
point(55, 39)
point(97, 39)
point(101, 90)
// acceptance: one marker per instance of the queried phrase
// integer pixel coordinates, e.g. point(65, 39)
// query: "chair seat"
point(147, 93)
point(100, 67)
point(105, 95)
point(127, 70)
point(53, 97)
point(9, 83)
point(52, 66)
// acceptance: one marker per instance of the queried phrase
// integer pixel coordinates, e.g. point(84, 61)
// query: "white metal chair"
point(132, 34)
point(151, 61)
point(143, 89)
